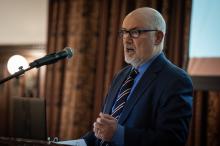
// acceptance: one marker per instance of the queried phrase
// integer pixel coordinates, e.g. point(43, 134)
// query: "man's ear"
point(158, 37)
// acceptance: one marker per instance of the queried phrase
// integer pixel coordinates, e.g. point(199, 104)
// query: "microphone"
point(52, 58)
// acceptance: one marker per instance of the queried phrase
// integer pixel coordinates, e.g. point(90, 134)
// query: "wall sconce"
point(15, 62)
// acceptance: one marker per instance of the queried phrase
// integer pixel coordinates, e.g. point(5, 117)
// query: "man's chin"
point(131, 62)
point(134, 62)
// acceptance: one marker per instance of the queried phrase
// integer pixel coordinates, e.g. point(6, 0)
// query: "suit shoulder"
point(175, 72)
point(169, 70)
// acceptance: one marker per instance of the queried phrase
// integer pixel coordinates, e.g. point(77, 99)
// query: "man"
point(156, 107)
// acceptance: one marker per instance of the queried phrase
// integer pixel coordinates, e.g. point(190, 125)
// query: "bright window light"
point(15, 62)
point(205, 30)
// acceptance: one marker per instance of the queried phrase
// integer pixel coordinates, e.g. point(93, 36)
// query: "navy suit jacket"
point(159, 109)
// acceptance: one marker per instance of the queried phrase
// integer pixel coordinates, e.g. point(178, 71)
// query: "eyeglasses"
point(133, 33)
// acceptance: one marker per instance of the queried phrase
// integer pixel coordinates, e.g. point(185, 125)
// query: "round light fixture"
point(15, 62)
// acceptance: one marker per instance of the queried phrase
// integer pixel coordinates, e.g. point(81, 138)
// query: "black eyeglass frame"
point(131, 32)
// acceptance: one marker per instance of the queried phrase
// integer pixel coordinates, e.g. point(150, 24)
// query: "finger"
point(106, 116)
point(106, 122)
point(103, 121)
point(99, 126)
point(98, 133)
point(95, 129)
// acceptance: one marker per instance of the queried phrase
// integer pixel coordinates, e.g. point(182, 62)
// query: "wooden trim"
point(206, 82)
point(204, 66)
point(37, 50)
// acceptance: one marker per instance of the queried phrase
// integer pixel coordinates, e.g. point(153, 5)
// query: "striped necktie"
point(123, 94)
point(122, 97)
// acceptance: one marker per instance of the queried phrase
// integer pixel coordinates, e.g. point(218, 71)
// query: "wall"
point(23, 21)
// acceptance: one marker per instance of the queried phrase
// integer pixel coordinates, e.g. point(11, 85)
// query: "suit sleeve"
point(90, 138)
point(172, 118)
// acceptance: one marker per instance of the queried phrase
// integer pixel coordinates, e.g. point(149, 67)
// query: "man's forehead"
point(134, 20)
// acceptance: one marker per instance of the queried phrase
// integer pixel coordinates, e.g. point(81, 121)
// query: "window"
point(204, 38)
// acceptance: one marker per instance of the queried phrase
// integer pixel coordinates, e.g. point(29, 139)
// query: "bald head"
point(147, 18)
point(143, 35)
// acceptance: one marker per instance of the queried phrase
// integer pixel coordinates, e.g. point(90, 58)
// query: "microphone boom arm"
point(16, 74)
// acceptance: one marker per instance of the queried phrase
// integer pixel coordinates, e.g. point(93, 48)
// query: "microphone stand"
point(16, 74)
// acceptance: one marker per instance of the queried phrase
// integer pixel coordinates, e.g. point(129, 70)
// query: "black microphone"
point(52, 58)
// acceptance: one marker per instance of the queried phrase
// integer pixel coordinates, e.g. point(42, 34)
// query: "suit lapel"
point(114, 90)
point(146, 80)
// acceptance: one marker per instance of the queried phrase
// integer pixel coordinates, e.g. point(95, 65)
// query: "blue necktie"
point(122, 98)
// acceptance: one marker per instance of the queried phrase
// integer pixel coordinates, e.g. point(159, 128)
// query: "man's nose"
point(127, 38)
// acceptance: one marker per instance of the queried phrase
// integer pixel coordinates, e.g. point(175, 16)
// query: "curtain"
point(206, 116)
point(70, 83)
point(75, 88)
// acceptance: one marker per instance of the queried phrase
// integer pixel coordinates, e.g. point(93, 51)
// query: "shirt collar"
point(142, 68)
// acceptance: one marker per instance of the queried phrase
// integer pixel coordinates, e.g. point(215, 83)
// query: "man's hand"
point(105, 127)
